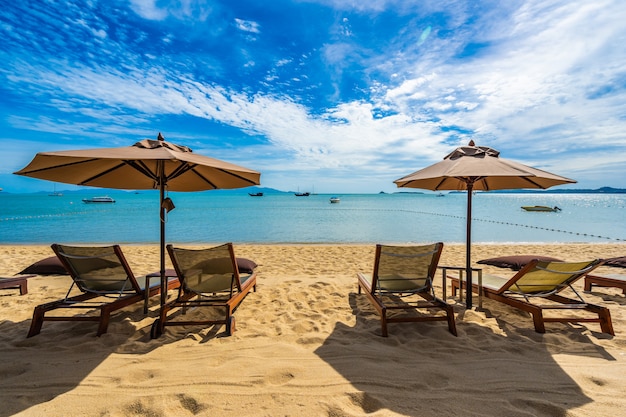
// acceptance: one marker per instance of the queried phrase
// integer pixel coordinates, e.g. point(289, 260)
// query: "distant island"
point(602, 190)
point(267, 190)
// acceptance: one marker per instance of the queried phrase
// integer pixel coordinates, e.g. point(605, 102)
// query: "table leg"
point(146, 295)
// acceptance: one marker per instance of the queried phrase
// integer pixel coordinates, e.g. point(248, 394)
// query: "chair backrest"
point(98, 269)
point(544, 278)
point(202, 271)
point(405, 268)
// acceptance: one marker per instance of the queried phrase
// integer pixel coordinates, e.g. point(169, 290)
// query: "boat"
point(541, 208)
point(103, 199)
point(302, 194)
point(334, 199)
point(441, 195)
point(255, 194)
point(55, 193)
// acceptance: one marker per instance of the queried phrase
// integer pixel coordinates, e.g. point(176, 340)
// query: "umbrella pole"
point(162, 239)
point(468, 247)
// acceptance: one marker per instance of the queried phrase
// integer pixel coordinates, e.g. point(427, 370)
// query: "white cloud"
point(548, 87)
point(247, 26)
point(148, 9)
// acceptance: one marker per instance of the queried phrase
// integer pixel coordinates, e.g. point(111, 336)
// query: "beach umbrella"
point(478, 168)
point(148, 164)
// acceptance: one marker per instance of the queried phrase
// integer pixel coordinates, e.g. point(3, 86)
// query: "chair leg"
point(37, 322)
point(230, 325)
point(24, 287)
point(451, 322)
point(103, 324)
point(605, 322)
point(383, 322)
point(604, 316)
point(538, 321)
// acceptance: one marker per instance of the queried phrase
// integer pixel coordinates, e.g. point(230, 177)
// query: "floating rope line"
point(44, 216)
point(474, 219)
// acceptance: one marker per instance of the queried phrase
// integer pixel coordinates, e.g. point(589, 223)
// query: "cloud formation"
point(346, 95)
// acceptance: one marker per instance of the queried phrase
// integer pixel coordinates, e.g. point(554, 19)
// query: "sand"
point(308, 345)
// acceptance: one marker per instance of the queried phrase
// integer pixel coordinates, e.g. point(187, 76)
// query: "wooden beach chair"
point(16, 282)
point(208, 278)
point(608, 280)
point(536, 287)
point(105, 282)
point(405, 271)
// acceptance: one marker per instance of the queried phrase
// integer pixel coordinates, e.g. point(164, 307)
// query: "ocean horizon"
point(280, 217)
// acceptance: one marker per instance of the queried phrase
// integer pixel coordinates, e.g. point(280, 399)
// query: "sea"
point(234, 216)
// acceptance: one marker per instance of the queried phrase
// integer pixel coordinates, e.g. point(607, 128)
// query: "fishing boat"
point(334, 200)
point(255, 194)
point(103, 199)
point(541, 208)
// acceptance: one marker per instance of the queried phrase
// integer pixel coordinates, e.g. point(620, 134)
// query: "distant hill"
point(602, 190)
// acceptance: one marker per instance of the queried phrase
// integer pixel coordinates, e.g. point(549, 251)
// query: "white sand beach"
point(308, 345)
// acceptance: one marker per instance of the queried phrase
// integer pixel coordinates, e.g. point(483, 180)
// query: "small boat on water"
point(255, 194)
point(541, 208)
point(334, 200)
point(55, 193)
point(302, 194)
point(103, 199)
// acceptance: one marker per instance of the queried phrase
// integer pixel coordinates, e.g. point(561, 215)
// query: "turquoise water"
point(216, 216)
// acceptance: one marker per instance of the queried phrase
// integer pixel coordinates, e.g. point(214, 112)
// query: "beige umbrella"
point(149, 164)
point(475, 168)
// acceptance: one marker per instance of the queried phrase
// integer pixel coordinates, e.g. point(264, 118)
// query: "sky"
point(330, 96)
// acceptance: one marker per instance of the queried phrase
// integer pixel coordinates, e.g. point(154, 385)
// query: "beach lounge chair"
point(16, 282)
point(105, 282)
point(608, 280)
point(405, 271)
point(536, 287)
point(208, 278)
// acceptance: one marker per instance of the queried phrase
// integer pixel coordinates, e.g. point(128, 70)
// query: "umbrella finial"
point(471, 142)
point(160, 137)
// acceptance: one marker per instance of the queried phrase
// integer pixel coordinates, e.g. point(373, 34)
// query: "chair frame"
point(374, 294)
point(522, 301)
point(87, 300)
point(606, 281)
point(229, 302)
point(16, 282)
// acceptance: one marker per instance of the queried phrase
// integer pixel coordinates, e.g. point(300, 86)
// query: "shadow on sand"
point(65, 354)
point(421, 369)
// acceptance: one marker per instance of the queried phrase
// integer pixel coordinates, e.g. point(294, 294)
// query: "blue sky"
point(325, 95)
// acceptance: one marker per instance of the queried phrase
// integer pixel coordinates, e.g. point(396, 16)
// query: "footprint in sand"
point(280, 377)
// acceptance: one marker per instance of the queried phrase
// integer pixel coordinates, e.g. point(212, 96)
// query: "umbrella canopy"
point(148, 164)
point(474, 168)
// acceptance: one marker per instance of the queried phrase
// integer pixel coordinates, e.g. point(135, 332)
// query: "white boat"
point(103, 199)
point(55, 193)
point(334, 199)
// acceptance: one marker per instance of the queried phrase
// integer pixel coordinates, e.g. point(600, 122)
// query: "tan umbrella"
point(148, 164)
point(473, 168)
